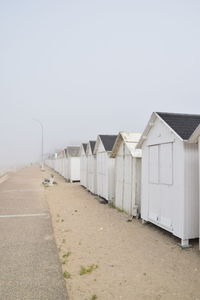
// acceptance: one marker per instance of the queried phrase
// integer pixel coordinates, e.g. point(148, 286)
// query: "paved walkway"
point(29, 263)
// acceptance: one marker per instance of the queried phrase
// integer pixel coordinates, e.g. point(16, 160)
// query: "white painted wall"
point(105, 174)
point(66, 170)
point(83, 168)
point(91, 171)
point(199, 187)
point(127, 181)
point(169, 196)
point(191, 220)
point(74, 168)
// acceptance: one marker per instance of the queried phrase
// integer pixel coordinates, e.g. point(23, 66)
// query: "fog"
point(89, 67)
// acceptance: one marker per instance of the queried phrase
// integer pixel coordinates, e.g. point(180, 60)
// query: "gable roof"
point(194, 138)
point(92, 144)
point(84, 146)
point(73, 151)
point(108, 141)
point(130, 139)
point(183, 124)
point(60, 154)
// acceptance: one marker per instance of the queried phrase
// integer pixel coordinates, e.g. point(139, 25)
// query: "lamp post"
point(42, 145)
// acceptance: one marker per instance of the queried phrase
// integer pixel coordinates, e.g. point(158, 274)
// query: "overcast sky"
point(85, 67)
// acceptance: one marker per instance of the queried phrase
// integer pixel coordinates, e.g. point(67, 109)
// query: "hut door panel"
point(166, 205)
point(160, 184)
point(119, 182)
point(102, 174)
point(104, 182)
point(99, 174)
point(154, 203)
point(153, 164)
point(89, 173)
point(127, 205)
point(154, 189)
point(166, 163)
point(166, 181)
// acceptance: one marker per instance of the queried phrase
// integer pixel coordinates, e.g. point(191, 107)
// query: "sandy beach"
point(120, 258)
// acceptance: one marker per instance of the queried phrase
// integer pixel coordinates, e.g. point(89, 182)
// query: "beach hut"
point(127, 173)
point(59, 162)
point(56, 165)
point(105, 166)
point(83, 165)
point(195, 138)
point(65, 165)
point(73, 163)
point(52, 163)
point(169, 196)
point(91, 167)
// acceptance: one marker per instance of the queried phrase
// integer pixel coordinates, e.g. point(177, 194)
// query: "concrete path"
point(29, 263)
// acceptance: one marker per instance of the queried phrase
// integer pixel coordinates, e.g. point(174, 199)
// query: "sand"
point(130, 260)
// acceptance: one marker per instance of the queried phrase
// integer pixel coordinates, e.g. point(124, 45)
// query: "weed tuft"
point(66, 275)
point(111, 205)
point(119, 209)
point(66, 254)
point(86, 270)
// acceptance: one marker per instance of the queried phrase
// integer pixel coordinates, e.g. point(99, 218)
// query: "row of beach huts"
point(153, 175)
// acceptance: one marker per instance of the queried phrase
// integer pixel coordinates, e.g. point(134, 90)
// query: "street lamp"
point(42, 146)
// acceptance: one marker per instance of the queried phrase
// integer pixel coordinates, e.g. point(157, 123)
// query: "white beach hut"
point(60, 162)
point(83, 165)
point(73, 163)
point(53, 161)
point(56, 162)
point(105, 166)
point(169, 195)
point(65, 165)
point(195, 138)
point(91, 167)
point(127, 172)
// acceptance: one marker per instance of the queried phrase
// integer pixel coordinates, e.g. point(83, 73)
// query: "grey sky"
point(90, 67)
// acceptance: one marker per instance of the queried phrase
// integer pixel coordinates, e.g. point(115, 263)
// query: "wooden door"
point(160, 184)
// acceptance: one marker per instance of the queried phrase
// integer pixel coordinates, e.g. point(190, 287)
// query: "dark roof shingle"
point(84, 146)
point(108, 141)
point(183, 124)
point(92, 144)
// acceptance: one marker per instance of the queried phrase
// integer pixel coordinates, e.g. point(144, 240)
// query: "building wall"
point(66, 169)
point(91, 185)
point(191, 209)
point(136, 186)
point(102, 174)
point(74, 167)
point(199, 187)
point(119, 177)
point(105, 174)
point(162, 197)
point(63, 167)
point(127, 181)
point(83, 168)
point(111, 178)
